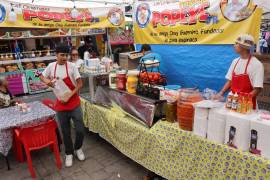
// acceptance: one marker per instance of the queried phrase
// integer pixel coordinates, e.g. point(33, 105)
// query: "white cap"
point(246, 41)
point(82, 43)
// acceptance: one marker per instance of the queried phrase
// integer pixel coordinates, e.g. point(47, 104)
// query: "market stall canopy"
point(78, 3)
point(265, 4)
point(54, 14)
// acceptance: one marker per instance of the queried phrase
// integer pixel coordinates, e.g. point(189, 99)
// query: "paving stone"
point(67, 172)
point(80, 176)
point(91, 165)
point(100, 175)
point(56, 176)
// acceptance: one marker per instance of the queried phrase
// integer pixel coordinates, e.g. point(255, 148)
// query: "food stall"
point(27, 50)
point(199, 138)
point(163, 127)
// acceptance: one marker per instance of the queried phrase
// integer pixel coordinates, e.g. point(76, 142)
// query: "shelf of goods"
point(22, 74)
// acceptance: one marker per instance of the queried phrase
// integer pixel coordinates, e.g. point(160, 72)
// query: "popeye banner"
point(34, 16)
point(195, 21)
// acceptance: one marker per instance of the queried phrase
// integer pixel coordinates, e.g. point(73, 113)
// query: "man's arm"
point(47, 81)
point(256, 92)
point(78, 87)
point(226, 87)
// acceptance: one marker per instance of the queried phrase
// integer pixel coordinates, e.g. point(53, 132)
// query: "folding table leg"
point(7, 161)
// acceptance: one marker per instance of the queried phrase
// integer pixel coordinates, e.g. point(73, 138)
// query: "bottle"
point(235, 102)
point(244, 104)
point(229, 100)
point(249, 104)
point(240, 103)
point(112, 79)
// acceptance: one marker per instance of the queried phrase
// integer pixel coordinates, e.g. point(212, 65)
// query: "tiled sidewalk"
point(102, 162)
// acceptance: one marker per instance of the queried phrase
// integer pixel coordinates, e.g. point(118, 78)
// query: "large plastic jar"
point(185, 109)
point(112, 79)
point(171, 112)
point(132, 81)
point(121, 80)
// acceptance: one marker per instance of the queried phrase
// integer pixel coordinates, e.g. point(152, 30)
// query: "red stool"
point(38, 137)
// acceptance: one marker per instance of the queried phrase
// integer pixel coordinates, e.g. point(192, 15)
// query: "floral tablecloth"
point(171, 152)
point(11, 117)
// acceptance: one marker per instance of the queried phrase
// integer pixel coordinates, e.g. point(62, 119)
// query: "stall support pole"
point(109, 47)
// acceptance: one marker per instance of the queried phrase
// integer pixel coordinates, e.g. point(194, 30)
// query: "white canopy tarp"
point(78, 3)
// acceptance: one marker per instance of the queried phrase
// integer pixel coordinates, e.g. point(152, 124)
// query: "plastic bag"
point(209, 93)
point(61, 90)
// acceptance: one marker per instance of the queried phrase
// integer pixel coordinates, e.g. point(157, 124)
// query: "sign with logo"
point(121, 36)
point(195, 21)
point(34, 16)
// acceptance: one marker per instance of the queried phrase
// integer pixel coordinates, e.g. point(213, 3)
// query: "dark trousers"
point(64, 118)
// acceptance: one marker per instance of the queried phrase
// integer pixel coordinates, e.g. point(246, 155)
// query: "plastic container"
point(121, 80)
point(185, 109)
point(112, 79)
point(132, 81)
point(172, 87)
point(171, 112)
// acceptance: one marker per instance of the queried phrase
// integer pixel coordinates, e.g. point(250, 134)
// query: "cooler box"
point(263, 133)
point(217, 124)
point(200, 121)
point(241, 124)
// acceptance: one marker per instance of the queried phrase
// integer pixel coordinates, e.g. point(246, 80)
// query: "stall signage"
point(121, 36)
point(195, 21)
point(33, 16)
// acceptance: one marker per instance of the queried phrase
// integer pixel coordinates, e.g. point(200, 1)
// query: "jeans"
point(64, 118)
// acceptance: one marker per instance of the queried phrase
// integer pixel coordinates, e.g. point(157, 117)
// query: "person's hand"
point(51, 83)
point(217, 97)
point(66, 97)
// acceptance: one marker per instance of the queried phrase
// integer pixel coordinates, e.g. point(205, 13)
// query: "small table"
point(11, 117)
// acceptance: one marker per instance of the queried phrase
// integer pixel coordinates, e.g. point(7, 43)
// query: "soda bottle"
point(240, 103)
point(235, 102)
point(229, 100)
point(244, 104)
point(249, 104)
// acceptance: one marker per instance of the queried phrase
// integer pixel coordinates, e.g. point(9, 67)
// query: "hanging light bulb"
point(74, 12)
point(12, 15)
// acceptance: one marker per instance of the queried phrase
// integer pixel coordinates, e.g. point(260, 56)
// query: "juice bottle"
point(229, 100)
point(249, 104)
point(244, 104)
point(240, 103)
point(235, 102)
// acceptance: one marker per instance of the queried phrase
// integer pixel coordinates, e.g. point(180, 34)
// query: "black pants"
point(64, 118)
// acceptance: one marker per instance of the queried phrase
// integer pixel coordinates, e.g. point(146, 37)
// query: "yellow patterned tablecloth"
point(171, 152)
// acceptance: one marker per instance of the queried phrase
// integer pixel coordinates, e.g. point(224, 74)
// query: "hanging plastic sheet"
point(202, 66)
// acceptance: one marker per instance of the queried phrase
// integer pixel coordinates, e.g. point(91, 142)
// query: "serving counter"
point(169, 151)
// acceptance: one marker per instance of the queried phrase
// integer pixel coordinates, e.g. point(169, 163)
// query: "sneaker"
point(69, 160)
point(80, 155)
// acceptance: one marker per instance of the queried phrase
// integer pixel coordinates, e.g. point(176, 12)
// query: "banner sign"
point(33, 16)
point(195, 21)
point(47, 33)
point(121, 36)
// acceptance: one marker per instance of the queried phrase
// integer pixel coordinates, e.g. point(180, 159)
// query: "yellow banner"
point(22, 15)
point(195, 21)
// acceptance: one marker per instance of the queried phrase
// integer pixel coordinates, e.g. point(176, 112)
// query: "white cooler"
point(263, 132)
point(200, 121)
point(217, 124)
point(242, 124)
